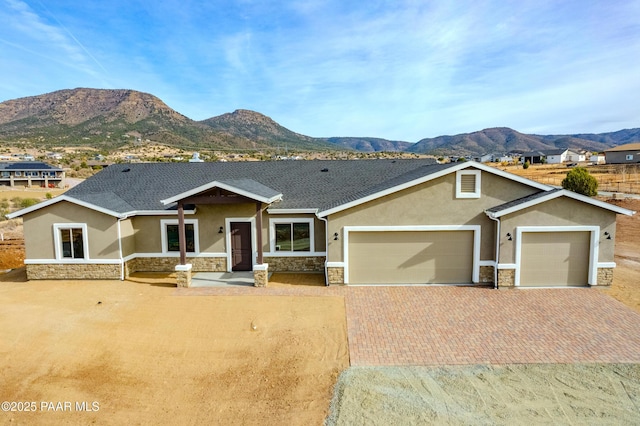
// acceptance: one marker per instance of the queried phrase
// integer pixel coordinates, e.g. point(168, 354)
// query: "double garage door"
point(411, 257)
point(555, 258)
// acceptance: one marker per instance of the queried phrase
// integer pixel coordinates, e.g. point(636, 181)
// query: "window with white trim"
point(170, 236)
point(71, 241)
point(291, 235)
point(468, 184)
point(629, 157)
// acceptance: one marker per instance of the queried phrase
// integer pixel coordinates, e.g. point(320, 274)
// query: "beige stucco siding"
point(39, 238)
point(147, 230)
point(561, 211)
point(127, 234)
point(431, 203)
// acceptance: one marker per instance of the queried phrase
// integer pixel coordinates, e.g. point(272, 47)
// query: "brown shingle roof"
point(635, 146)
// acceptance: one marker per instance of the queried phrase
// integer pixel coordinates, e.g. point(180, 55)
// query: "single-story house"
point(550, 156)
point(623, 154)
point(30, 173)
point(556, 156)
point(576, 156)
point(486, 158)
point(533, 157)
point(381, 221)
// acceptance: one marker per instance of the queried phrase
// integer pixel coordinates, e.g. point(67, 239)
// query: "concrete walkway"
point(471, 325)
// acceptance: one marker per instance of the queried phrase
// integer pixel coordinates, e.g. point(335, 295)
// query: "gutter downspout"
point(120, 219)
point(495, 267)
point(326, 247)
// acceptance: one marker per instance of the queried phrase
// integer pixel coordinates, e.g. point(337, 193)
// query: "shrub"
point(48, 195)
point(526, 165)
point(27, 202)
point(580, 180)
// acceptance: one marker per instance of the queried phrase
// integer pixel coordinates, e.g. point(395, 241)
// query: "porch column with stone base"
point(183, 275)
point(261, 275)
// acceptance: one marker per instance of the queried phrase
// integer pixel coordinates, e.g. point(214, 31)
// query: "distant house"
point(502, 158)
point(533, 157)
point(576, 157)
point(597, 159)
point(30, 173)
point(550, 156)
point(556, 156)
point(623, 154)
point(484, 158)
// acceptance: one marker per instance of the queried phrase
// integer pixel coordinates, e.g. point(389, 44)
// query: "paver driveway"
point(464, 325)
point(424, 325)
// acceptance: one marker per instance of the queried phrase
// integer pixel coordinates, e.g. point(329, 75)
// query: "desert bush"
point(526, 165)
point(580, 180)
point(27, 202)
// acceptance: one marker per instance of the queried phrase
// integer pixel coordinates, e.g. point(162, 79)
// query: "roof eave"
point(60, 198)
point(556, 194)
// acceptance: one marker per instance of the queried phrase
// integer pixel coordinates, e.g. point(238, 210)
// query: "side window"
point(468, 184)
point(71, 241)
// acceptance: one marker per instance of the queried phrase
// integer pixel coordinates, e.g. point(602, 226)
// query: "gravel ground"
point(558, 394)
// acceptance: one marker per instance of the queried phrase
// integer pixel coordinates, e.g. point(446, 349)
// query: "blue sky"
point(395, 69)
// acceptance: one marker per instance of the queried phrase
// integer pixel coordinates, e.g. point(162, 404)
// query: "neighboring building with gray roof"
point(623, 154)
point(30, 173)
point(357, 221)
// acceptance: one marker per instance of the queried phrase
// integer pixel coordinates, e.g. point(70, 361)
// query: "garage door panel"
point(410, 257)
point(555, 258)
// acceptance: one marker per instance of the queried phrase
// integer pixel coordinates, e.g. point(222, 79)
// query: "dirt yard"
point(626, 276)
point(135, 353)
point(553, 394)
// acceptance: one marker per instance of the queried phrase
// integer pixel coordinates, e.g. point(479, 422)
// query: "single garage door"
point(411, 257)
point(555, 258)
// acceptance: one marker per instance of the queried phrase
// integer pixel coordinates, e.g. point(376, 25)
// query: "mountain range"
point(105, 118)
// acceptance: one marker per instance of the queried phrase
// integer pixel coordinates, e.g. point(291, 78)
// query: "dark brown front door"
point(241, 246)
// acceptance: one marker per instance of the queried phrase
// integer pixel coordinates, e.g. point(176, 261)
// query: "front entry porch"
point(222, 279)
point(244, 246)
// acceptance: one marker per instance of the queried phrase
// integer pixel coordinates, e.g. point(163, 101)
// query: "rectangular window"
point(71, 241)
point(293, 236)
point(629, 157)
point(173, 241)
point(5, 174)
